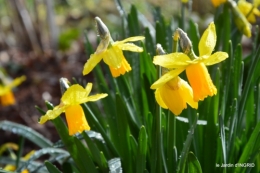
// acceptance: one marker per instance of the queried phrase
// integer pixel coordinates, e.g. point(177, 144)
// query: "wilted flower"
point(111, 52)
point(70, 104)
point(196, 70)
point(6, 94)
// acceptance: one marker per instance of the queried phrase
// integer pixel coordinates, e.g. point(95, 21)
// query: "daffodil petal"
point(96, 97)
point(159, 99)
point(188, 94)
point(166, 77)
point(114, 57)
point(16, 82)
point(74, 95)
point(130, 47)
point(173, 60)
point(208, 40)
point(92, 62)
point(103, 45)
point(52, 114)
point(216, 58)
point(88, 88)
point(130, 39)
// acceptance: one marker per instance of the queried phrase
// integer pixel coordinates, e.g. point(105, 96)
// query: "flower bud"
point(185, 42)
point(159, 50)
point(102, 28)
point(64, 84)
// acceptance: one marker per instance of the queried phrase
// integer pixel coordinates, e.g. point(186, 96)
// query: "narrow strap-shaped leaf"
point(186, 147)
point(26, 132)
point(141, 152)
point(51, 168)
point(91, 116)
point(41, 152)
point(223, 140)
point(249, 151)
point(84, 158)
point(193, 165)
point(248, 84)
point(115, 165)
point(94, 151)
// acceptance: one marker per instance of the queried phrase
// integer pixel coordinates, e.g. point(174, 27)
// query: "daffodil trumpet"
point(70, 104)
point(112, 52)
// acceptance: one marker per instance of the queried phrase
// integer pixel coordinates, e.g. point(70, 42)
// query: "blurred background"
point(44, 40)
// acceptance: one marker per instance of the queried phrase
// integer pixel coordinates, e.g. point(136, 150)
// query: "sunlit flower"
point(196, 70)
point(174, 94)
point(70, 104)
point(6, 94)
point(249, 10)
point(111, 52)
point(217, 3)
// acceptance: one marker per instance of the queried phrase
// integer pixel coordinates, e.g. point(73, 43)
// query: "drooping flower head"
point(6, 94)
point(70, 104)
point(249, 10)
point(195, 67)
point(173, 94)
point(111, 52)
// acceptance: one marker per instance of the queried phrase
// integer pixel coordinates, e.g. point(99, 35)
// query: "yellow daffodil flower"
point(217, 3)
point(196, 70)
point(249, 10)
point(111, 52)
point(70, 104)
point(6, 94)
point(174, 94)
point(13, 167)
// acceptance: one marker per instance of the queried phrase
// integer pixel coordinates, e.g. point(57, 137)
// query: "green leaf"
point(186, 147)
point(95, 152)
point(123, 143)
point(193, 165)
point(141, 152)
point(248, 84)
point(26, 132)
point(92, 118)
point(194, 36)
point(84, 160)
point(56, 152)
point(51, 168)
point(250, 149)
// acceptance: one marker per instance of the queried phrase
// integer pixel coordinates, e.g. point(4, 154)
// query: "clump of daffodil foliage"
point(176, 100)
